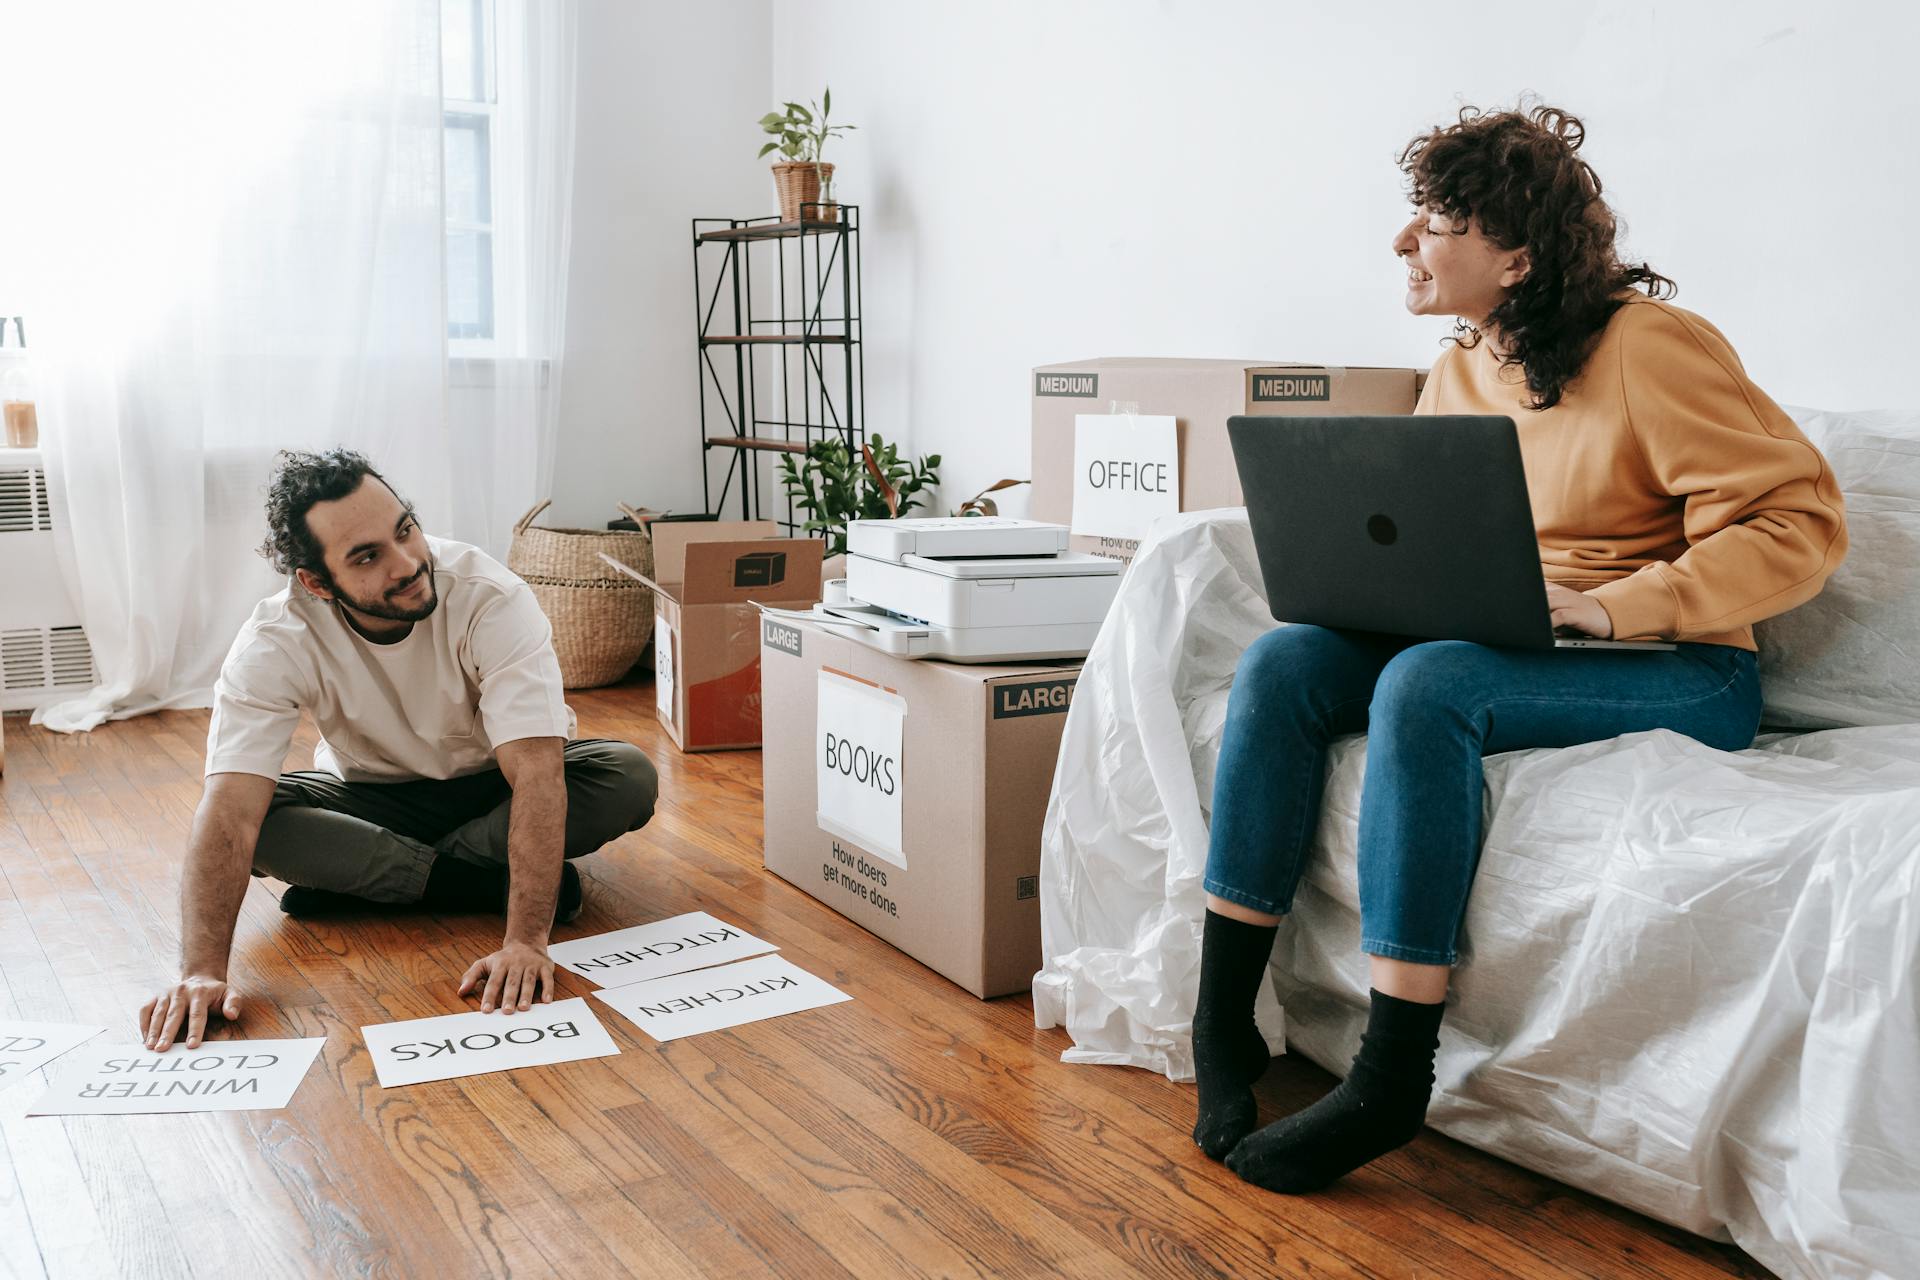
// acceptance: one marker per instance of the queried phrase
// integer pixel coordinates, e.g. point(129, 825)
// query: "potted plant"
point(832, 487)
point(800, 134)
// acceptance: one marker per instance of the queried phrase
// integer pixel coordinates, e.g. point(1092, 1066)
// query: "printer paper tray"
point(878, 629)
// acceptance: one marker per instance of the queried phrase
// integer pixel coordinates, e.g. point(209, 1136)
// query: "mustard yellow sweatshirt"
point(1665, 484)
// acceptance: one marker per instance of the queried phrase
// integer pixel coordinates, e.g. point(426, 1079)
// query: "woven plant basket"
point(602, 619)
point(798, 183)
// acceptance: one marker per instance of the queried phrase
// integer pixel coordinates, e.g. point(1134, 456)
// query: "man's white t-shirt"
point(476, 672)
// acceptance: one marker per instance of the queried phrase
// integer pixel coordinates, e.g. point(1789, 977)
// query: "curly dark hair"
point(299, 481)
point(1516, 173)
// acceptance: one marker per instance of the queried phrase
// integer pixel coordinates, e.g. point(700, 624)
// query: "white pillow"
point(1851, 655)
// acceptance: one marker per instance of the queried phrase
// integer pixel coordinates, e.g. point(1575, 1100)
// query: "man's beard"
point(385, 608)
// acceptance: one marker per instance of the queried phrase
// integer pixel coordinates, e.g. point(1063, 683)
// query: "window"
point(469, 44)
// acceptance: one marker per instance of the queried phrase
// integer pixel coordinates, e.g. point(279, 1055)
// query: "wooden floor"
point(913, 1131)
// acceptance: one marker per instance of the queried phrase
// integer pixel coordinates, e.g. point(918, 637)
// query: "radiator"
point(44, 655)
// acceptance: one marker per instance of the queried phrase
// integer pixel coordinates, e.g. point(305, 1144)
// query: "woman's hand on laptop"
point(1573, 611)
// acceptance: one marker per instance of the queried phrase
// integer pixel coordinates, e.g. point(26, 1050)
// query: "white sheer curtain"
point(233, 219)
point(503, 405)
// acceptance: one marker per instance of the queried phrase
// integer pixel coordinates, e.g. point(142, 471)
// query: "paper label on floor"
point(862, 780)
point(711, 999)
point(27, 1046)
point(472, 1044)
point(1126, 473)
point(658, 950)
point(221, 1075)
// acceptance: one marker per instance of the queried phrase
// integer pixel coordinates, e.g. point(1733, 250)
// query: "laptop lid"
point(1415, 526)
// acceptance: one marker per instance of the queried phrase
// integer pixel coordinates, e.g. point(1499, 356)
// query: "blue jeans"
point(1430, 710)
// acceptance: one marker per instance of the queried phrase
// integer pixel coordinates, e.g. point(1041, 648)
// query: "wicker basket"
point(602, 619)
point(798, 183)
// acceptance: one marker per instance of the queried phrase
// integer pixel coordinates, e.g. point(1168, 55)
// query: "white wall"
point(1045, 181)
point(669, 94)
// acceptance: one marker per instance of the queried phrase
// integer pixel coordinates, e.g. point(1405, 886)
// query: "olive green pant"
point(378, 840)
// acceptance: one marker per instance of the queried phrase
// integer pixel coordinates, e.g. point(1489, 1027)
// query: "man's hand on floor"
point(187, 1001)
point(515, 975)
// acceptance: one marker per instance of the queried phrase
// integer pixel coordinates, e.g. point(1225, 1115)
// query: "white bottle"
point(16, 395)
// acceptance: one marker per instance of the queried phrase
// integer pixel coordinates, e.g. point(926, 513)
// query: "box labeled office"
point(1199, 395)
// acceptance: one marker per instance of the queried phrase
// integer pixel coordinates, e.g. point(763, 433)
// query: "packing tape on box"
point(1336, 374)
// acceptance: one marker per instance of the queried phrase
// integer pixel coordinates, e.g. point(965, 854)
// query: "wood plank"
point(194, 1176)
point(757, 442)
point(1005, 1231)
point(774, 230)
point(773, 339)
point(836, 1202)
point(19, 1250)
point(915, 1131)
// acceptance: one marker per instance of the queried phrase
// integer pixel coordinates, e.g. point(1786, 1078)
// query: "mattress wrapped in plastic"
point(1691, 978)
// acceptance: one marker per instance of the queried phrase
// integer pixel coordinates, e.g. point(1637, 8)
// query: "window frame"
point(499, 38)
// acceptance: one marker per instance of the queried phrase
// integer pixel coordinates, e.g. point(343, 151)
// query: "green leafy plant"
point(832, 487)
point(981, 505)
point(801, 133)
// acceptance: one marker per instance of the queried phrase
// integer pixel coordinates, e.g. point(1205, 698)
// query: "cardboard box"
point(708, 576)
point(951, 876)
point(760, 569)
point(1201, 395)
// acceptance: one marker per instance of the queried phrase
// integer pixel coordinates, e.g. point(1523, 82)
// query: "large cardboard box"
point(1201, 395)
point(708, 578)
point(953, 764)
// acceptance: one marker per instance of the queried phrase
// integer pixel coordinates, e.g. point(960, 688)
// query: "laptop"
point(1414, 526)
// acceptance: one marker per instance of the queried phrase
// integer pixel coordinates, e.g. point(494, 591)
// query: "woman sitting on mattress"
point(1672, 499)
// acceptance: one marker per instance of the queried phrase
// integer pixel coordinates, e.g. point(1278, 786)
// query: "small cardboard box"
point(760, 569)
point(1201, 395)
point(954, 879)
point(708, 576)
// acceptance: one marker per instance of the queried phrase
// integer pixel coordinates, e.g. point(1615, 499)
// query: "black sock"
point(567, 905)
point(303, 903)
point(1228, 1053)
point(453, 885)
point(1379, 1106)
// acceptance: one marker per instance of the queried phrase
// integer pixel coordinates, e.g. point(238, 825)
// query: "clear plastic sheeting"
point(1851, 655)
point(1691, 981)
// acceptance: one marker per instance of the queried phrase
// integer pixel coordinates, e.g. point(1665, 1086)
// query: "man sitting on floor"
point(447, 774)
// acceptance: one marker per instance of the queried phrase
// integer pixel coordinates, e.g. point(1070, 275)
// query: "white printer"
point(971, 589)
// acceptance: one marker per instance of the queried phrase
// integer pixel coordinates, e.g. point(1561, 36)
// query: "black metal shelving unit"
point(803, 363)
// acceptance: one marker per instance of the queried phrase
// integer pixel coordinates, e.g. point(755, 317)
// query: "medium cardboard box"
point(955, 881)
point(1201, 395)
point(708, 577)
